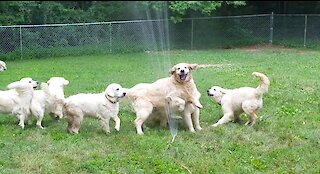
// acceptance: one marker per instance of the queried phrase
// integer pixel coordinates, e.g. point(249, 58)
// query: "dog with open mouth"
point(151, 100)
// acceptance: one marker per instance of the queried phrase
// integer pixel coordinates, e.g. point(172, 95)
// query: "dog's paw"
point(40, 127)
point(215, 125)
point(198, 105)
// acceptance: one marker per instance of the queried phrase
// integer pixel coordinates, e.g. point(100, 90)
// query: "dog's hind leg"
point(141, 118)
point(105, 125)
point(143, 110)
point(252, 119)
point(251, 108)
point(39, 117)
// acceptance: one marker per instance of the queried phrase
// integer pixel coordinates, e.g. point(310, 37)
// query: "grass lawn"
point(286, 138)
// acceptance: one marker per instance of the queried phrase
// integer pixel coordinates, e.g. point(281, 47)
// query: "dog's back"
point(8, 100)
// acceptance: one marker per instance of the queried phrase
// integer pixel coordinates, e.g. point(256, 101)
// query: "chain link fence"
point(42, 41)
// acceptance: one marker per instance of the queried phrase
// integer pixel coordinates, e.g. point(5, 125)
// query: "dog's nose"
point(182, 70)
point(124, 94)
point(208, 91)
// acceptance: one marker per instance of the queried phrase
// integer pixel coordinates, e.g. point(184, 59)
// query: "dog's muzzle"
point(183, 76)
point(209, 94)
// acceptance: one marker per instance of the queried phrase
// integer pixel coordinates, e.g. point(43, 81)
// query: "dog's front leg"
point(21, 120)
point(116, 119)
point(188, 121)
point(227, 117)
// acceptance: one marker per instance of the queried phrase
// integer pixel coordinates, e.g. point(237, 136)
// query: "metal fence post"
point(110, 38)
point(191, 34)
point(271, 29)
point(305, 30)
point(20, 43)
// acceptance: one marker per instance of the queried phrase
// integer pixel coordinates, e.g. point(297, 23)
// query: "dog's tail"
point(264, 85)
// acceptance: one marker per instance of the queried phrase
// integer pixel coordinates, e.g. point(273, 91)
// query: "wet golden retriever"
point(236, 101)
point(177, 91)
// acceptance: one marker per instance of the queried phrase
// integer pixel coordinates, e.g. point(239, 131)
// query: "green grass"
point(285, 140)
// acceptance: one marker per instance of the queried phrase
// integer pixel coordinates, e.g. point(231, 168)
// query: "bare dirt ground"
point(258, 47)
point(263, 46)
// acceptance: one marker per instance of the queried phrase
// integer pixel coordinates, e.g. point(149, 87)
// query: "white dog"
point(3, 66)
point(236, 101)
point(177, 92)
point(50, 99)
point(103, 106)
point(17, 99)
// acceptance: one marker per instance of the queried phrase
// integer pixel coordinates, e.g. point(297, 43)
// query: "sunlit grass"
point(285, 140)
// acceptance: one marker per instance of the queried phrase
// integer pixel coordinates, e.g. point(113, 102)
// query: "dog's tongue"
point(183, 77)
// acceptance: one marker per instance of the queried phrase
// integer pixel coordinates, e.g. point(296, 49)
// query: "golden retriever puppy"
point(236, 101)
point(50, 99)
point(17, 99)
point(103, 106)
point(3, 66)
point(151, 99)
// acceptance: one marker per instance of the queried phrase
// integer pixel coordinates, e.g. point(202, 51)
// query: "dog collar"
point(107, 96)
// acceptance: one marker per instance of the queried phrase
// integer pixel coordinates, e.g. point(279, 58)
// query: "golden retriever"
point(49, 99)
point(177, 91)
point(236, 101)
point(102, 106)
point(17, 99)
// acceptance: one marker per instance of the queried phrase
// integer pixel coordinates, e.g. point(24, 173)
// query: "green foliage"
point(180, 8)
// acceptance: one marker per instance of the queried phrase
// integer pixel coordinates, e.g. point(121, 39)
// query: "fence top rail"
point(153, 20)
point(296, 15)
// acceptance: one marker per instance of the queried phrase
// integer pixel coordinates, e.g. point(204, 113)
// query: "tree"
point(181, 8)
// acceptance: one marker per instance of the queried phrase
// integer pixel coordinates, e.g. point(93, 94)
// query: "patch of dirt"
point(263, 47)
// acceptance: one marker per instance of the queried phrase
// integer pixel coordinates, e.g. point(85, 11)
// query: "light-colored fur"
point(152, 99)
point(17, 99)
point(50, 99)
point(236, 101)
point(3, 66)
point(103, 106)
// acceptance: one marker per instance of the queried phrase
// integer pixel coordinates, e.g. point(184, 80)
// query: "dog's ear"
point(172, 70)
point(193, 66)
point(109, 92)
point(223, 91)
point(14, 85)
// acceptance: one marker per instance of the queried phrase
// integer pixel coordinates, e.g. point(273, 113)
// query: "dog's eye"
point(117, 89)
point(185, 67)
point(29, 81)
point(214, 89)
point(178, 68)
